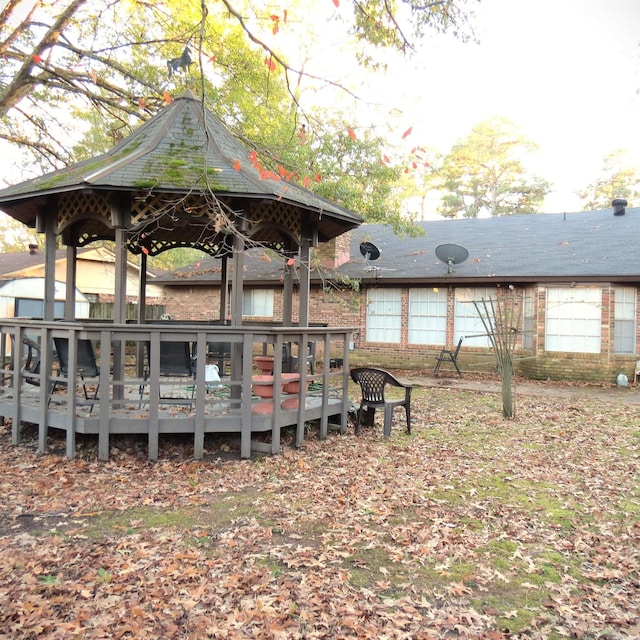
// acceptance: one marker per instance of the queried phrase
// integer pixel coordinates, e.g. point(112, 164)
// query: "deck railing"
point(133, 394)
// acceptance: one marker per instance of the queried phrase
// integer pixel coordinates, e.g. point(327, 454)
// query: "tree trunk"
point(506, 369)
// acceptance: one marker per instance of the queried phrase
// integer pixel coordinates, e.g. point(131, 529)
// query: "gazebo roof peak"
point(183, 149)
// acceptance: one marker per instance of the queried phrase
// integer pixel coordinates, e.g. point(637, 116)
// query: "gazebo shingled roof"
point(157, 184)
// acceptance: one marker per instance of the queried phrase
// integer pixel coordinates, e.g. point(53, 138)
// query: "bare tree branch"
point(21, 83)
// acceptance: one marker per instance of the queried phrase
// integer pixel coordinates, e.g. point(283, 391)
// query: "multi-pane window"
point(528, 318)
point(257, 302)
point(427, 316)
point(625, 320)
point(573, 319)
point(384, 315)
point(468, 322)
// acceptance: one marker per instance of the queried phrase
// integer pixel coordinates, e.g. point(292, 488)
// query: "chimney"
point(33, 249)
point(618, 206)
point(336, 252)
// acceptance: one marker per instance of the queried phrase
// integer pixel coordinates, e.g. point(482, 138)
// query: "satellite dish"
point(369, 251)
point(451, 254)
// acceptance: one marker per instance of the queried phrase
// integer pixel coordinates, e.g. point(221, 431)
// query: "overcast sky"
point(567, 72)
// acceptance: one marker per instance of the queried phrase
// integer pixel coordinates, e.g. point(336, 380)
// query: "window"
point(625, 320)
point(467, 321)
point(427, 316)
point(384, 308)
point(28, 308)
point(257, 302)
point(573, 319)
point(528, 318)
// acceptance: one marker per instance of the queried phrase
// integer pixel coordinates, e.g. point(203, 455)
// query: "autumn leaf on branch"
point(276, 24)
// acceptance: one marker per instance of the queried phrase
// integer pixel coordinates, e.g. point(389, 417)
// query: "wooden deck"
point(171, 406)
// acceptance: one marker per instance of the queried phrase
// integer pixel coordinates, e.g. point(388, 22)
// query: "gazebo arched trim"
point(219, 249)
point(274, 236)
point(76, 235)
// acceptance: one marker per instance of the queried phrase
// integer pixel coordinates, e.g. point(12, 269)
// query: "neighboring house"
point(24, 298)
point(95, 273)
point(577, 274)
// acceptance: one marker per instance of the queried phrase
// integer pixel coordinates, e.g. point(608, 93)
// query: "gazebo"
point(180, 180)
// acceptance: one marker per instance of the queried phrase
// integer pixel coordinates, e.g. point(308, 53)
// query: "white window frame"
point(257, 303)
point(625, 314)
point(467, 322)
point(427, 316)
point(384, 315)
point(528, 319)
point(573, 319)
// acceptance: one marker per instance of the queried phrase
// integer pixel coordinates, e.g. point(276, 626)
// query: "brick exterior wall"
point(334, 253)
point(193, 303)
point(345, 307)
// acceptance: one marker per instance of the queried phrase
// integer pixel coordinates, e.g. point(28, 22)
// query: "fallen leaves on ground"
point(473, 526)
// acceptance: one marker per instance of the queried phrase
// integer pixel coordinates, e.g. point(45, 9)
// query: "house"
point(95, 277)
point(576, 274)
point(24, 297)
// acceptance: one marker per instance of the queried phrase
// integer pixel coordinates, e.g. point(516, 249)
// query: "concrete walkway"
point(630, 394)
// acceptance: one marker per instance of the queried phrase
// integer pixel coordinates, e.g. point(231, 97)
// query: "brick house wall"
point(345, 305)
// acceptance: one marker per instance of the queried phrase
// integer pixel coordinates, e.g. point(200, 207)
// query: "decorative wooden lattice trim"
point(77, 205)
point(190, 220)
point(278, 213)
point(150, 206)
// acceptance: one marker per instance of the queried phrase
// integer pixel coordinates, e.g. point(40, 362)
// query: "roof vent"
point(618, 206)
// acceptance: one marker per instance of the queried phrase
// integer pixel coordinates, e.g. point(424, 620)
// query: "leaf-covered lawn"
point(472, 527)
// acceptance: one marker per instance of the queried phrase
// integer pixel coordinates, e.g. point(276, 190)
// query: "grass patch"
point(214, 516)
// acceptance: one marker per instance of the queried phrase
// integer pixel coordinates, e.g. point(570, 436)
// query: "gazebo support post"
point(246, 362)
point(305, 282)
point(224, 289)
point(287, 295)
point(120, 294)
point(238, 269)
point(119, 313)
point(70, 294)
point(142, 289)
point(236, 316)
point(142, 311)
point(49, 268)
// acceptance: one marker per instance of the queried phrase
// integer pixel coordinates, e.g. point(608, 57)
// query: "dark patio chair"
point(29, 358)
point(176, 361)
point(290, 361)
point(372, 384)
point(449, 355)
point(86, 362)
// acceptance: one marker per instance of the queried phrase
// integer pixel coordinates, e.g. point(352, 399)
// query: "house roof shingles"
point(574, 246)
point(19, 261)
